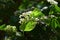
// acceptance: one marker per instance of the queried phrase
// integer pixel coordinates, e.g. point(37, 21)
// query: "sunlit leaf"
point(2, 27)
point(30, 26)
point(37, 13)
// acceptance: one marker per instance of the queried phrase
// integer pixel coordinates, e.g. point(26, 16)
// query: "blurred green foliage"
point(41, 23)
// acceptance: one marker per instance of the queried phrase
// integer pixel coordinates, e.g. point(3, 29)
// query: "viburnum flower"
point(36, 19)
point(25, 16)
point(20, 16)
point(53, 2)
point(22, 19)
point(50, 0)
point(44, 8)
point(10, 28)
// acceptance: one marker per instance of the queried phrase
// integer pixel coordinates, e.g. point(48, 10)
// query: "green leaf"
point(57, 9)
point(21, 7)
point(28, 26)
point(54, 23)
point(22, 26)
point(2, 27)
point(51, 12)
point(37, 13)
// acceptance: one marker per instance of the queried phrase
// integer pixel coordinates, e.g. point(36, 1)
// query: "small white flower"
point(32, 17)
point(45, 17)
point(44, 8)
point(27, 18)
point(52, 16)
point(8, 27)
point(33, 7)
point(41, 9)
point(36, 19)
point(24, 14)
point(20, 16)
point(29, 11)
point(52, 2)
point(20, 22)
point(18, 34)
point(42, 23)
point(14, 27)
point(55, 2)
point(22, 19)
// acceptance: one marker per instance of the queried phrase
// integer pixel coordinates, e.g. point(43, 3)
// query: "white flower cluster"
point(24, 16)
point(10, 28)
point(53, 2)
